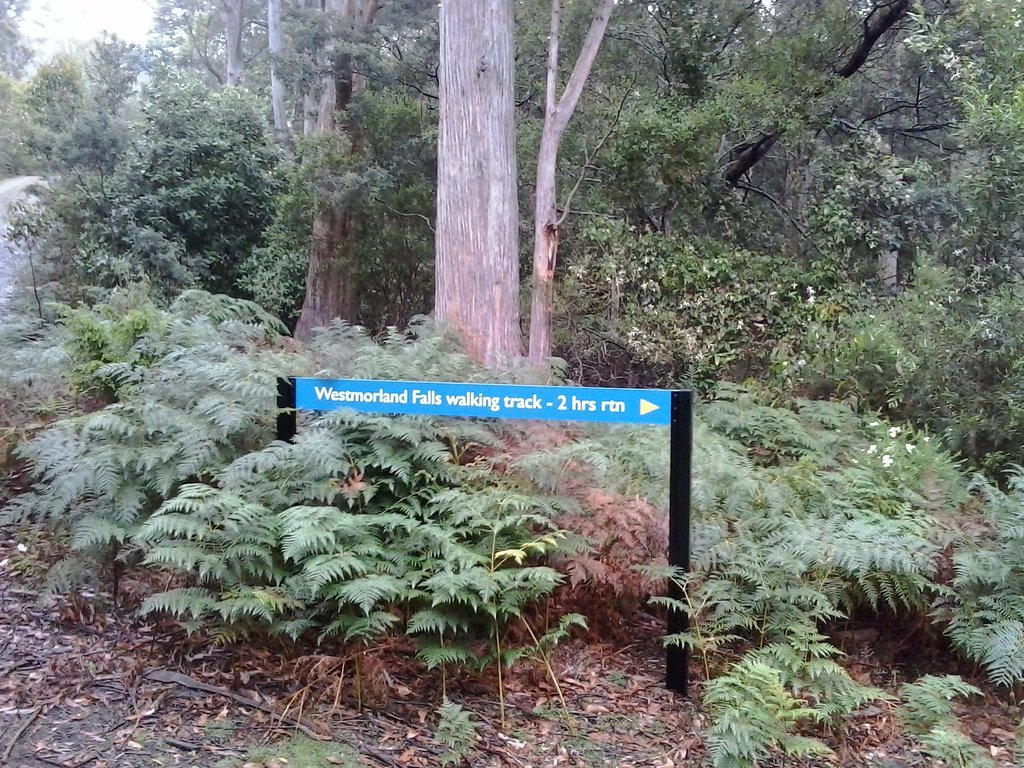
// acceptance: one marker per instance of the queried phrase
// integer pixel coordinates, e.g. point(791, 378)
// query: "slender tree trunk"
point(888, 272)
point(557, 112)
point(330, 281)
point(277, 94)
point(545, 251)
point(477, 232)
point(233, 22)
point(309, 113)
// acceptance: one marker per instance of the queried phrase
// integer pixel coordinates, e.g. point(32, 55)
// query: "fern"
point(456, 731)
point(928, 713)
point(987, 620)
point(754, 717)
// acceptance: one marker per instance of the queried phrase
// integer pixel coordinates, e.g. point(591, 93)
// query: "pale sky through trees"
point(55, 23)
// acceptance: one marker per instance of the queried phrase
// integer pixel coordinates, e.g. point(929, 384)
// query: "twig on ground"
point(379, 756)
point(177, 678)
point(18, 734)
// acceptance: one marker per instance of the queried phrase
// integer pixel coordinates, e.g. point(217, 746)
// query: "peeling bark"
point(557, 112)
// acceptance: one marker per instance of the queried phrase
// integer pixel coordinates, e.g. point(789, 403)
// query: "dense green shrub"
point(692, 310)
point(946, 356)
point(16, 155)
point(177, 195)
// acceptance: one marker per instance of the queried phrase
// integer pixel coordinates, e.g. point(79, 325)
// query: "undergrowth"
point(364, 526)
point(462, 535)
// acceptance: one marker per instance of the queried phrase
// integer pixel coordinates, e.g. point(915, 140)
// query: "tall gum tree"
point(477, 230)
point(330, 287)
point(275, 40)
point(234, 20)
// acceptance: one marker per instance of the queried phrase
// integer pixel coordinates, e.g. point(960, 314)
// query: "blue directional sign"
point(493, 401)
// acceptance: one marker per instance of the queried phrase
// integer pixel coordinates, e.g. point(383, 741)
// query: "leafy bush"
point(15, 150)
point(946, 357)
point(179, 202)
point(687, 309)
point(107, 334)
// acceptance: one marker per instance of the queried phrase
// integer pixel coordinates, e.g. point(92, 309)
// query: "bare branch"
point(597, 148)
point(873, 29)
point(403, 214)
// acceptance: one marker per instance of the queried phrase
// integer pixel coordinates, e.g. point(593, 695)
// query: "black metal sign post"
point(680, 452)
point(287, 422)
point(592, 404)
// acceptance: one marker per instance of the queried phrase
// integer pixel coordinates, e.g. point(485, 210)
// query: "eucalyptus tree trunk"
point(234, 20)
point(887, 270)
point(547, 222)
point(310, 99)
point(330, 289)
point(277, 93)
point(477, 231)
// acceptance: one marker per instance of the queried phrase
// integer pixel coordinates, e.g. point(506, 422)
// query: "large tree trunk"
point(477, 232)
point(277, 94)
point(330, 288)
point(233, 22)
point(330, 268)
point(547, 222)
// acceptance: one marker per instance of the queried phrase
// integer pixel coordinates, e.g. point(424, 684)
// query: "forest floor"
point(82, 687)
point(11, 190)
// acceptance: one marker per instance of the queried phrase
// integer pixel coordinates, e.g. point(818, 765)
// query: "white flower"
point(871, 449)
point(886, 460)
point(893, 431)
point(910, 448)
point(927, 439)
point(873, 424)
point(22, 548)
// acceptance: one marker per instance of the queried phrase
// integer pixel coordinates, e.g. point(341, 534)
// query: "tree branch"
point(581, 70)
point(405, 215)
point(746, 155)
point(589, 158)
point(873, 30)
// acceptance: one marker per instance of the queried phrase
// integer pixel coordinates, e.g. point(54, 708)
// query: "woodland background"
point(808, 211)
